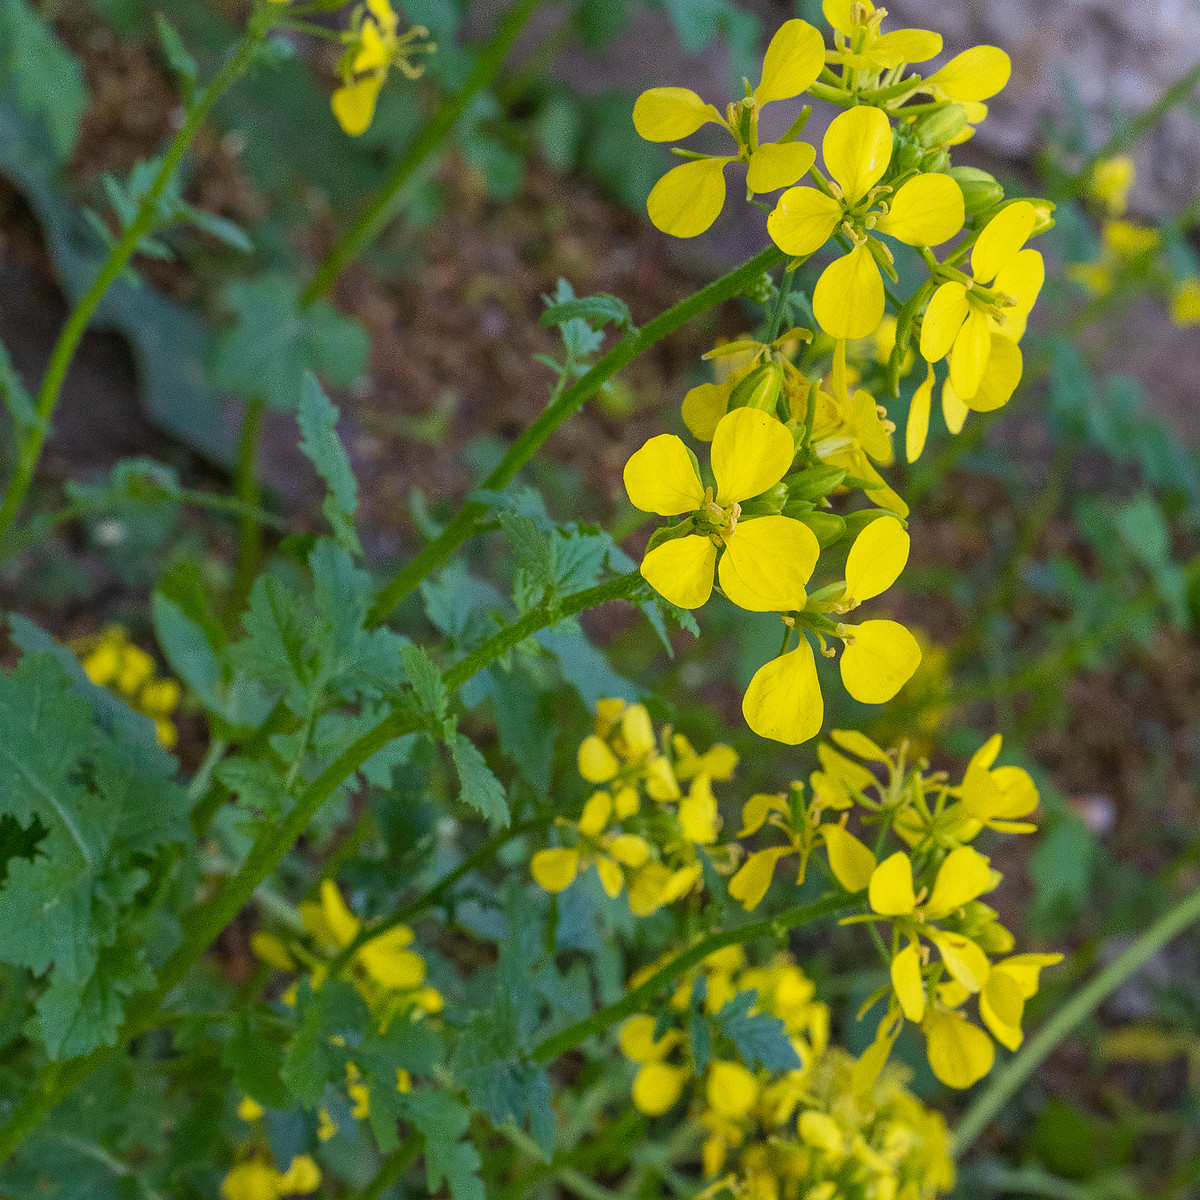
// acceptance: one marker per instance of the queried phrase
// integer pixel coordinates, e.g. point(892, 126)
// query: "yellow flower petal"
point(373, 53)
point(657, 1088)
point(1185, 304)
point(647, 887)
point(1004, 366)
point(905, 46)
point(1002, 1006)
point(783, 701)
point(858, 147)
point(954, 411)
point(751, 451)
point(681, 882)
point(596, 812)
point(249, 1109)
point(731, 1089)
point(637, 1042)
point(875, 1056)
point(354, 104)
point(1021, 278)
point(890, 892)
point(907, 982)
point(792, 63)
point(969, 358)
point(767, 564)
point(697, 814)
point(555, 869)
point(269, 948)
point(926, 211)
point(917, 428)
point(688, 198)
point(756, 810)
point(803, 220)
point(851, 862)
point(848, 298)
point(854, 742)
point(1001, 239)
point(637, 731)
point(1025, 969)
point(703, 408)
point(342, 923)
point(399, 970)
point(776, 165)
point(839, 14)
point(597, 763)
point(666, 114)
point(754, 877)
point(251, 1180)
point(959, 1053)
point(965, 961)
point(661, 478)
point(961, 878)
point(943, 319)
point(682, 570)
point(876, 558)
point(612, 879)
point(880, 661)
point(975, 74)
point(630, 850)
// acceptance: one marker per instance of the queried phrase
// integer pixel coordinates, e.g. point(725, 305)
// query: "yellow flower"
point(689, 198)
point(326, 1125)
point(1111, 182)
point(730, 1089)
point(784, 701)
point(374, 47)
point(252, 1180)
point(994, 796)
point(848, 300)
point(248, 1109)
point(1185, 303)
point(114, 662)
point(302, 1177)
point(766, 560)
point(866, 48)
point(658, 1084)
point(975, 324)
point(960, 1053)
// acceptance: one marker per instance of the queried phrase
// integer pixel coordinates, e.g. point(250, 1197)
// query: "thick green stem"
point(468, 517)
point(1003, 1084)
point(30, 449)
point(421, 153)
point(637, 999)
point(394, 1168)
point(205, 922)
point(250, 534)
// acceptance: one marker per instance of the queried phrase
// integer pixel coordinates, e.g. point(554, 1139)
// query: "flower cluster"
point(1133, 256)
point(928, 892)
point(256, 1177)
point(113, 661)
point(649, 845)
point(373, 47)
point(825, 1127)
point(788, 435)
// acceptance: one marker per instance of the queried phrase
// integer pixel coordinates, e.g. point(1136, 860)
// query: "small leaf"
point(318, 418)
point(426, 680)
point(480, 788)
point(760, 1038)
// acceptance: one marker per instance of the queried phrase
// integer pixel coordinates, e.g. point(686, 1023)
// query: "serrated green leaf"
point(480, 788)
point(318, 419)
point(426, 681)
point(759, 1038)
point(599, 310)
point(448, 1158)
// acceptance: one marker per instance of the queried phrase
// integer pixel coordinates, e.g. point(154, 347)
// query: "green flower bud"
point(760, 389)
point(828, 527)
point(856, 522)
point(980, 190)
point(937, 128)
point(935, 161)
point(769, 503)
point(814, 483)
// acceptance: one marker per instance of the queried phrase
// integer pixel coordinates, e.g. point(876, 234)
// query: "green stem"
point(466, 521)
point(428, 142)
point(394, 1168)
point(204, 923)
point(30, 449)
point(635, 1000)
point(250, 534)
point(1003, 1084)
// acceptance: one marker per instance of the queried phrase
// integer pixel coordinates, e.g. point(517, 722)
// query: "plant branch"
point(1003, 1084)
point(465, 523)
point(118, 259)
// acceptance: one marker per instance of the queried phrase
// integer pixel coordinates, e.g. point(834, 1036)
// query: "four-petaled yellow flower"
point(927, 210)
point(689, 198)
point(765, 561)
point(979, 322)
point(784, 701)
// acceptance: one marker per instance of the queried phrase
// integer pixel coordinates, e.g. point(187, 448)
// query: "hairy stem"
point(1003, 1084)
point(30, 449)
point(466, 521)
point(431, 138)
point(250, 534)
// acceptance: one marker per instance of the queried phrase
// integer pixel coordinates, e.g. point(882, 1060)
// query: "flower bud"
point(769, 503)
point(814, 483)
point(760, 389)
point(907, 158)
point(938, 128)
point(828, 527)
point(1044, 210)
point(980, 190)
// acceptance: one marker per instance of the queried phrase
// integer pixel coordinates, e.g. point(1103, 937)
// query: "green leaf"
point(480, 788)
point(318, 423)
point(426, 681)
point(178, 58)
point(273, 342)
point(254, 1054)
point(16, 399)
point(257, 785)
point(275, 649)
point(598, 310)
point(188, 651)
point(45, 75)
point(448, 1159)
point(759, 1038)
